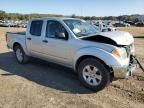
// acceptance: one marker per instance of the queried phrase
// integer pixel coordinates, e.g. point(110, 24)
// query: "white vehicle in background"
point(103, 27)
point(108, 29)
point(96, 56)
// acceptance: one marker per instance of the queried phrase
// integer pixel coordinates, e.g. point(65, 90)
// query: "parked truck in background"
point(97, 57)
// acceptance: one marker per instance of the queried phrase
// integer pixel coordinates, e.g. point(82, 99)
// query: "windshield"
point(80, 27)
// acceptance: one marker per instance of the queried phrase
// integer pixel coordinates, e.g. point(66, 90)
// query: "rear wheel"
point(21, 57)
point(93, 74)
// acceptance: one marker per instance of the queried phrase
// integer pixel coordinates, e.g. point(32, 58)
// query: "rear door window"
point(36, 27)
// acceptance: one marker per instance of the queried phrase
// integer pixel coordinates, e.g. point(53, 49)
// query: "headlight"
point(120, 52)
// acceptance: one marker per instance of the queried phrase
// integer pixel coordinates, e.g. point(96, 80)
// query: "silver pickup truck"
point(97, 57)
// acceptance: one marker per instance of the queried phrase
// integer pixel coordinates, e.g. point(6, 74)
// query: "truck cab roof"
point(55, 18)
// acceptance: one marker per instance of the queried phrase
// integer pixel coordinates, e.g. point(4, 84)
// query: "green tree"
point(26, 17)
point(2, 15)
point(87, 18)
point(73, 16)
point(93, 18)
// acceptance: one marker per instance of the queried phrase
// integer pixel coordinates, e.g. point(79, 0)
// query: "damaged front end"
point(126, 69)
point(132, 62)
point(124, 51)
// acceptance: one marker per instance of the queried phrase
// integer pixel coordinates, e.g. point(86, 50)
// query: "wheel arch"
point(16, 44)
point(22, 46)
point(80, 59)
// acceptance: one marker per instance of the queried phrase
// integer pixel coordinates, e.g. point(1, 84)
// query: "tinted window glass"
point(36, 28)
point(56, 30)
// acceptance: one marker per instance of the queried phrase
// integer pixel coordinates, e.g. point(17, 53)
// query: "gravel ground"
point(40, 84)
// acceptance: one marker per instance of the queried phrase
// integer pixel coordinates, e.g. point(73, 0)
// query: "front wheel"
point(21, 57)
point(93, 74)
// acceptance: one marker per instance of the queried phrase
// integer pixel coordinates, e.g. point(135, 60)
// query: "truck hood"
point(120, 37)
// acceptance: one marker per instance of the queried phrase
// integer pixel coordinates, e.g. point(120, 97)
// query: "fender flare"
point(101, 54)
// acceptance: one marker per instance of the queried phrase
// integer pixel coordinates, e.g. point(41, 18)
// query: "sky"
point(78, 7)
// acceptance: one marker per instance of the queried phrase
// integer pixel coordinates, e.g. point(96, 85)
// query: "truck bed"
point(14, 37)
point(19, 33)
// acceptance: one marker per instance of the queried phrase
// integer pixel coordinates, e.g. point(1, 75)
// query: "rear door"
point(34, 37)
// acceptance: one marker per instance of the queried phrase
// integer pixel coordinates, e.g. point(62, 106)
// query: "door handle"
point(28, 38)
point(45, 41)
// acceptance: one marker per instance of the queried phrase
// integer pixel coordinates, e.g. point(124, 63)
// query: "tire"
point(20, 55)
point(93, 74)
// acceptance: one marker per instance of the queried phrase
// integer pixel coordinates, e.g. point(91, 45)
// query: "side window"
point(56, 30)
point(36, 27)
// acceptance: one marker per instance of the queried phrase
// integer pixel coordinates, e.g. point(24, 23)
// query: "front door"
point(56, 45)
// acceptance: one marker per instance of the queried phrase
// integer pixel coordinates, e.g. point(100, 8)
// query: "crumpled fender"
point(103, 55)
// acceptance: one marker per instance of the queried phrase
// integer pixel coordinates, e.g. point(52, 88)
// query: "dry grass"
point(3, 30)
point(135, 31)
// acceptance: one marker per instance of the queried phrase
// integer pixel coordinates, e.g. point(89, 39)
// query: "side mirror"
point(61, 35)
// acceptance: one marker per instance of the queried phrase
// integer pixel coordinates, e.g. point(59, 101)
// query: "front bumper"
point(125, 71)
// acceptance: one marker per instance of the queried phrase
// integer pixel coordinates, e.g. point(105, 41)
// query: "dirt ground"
point(40, 84)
